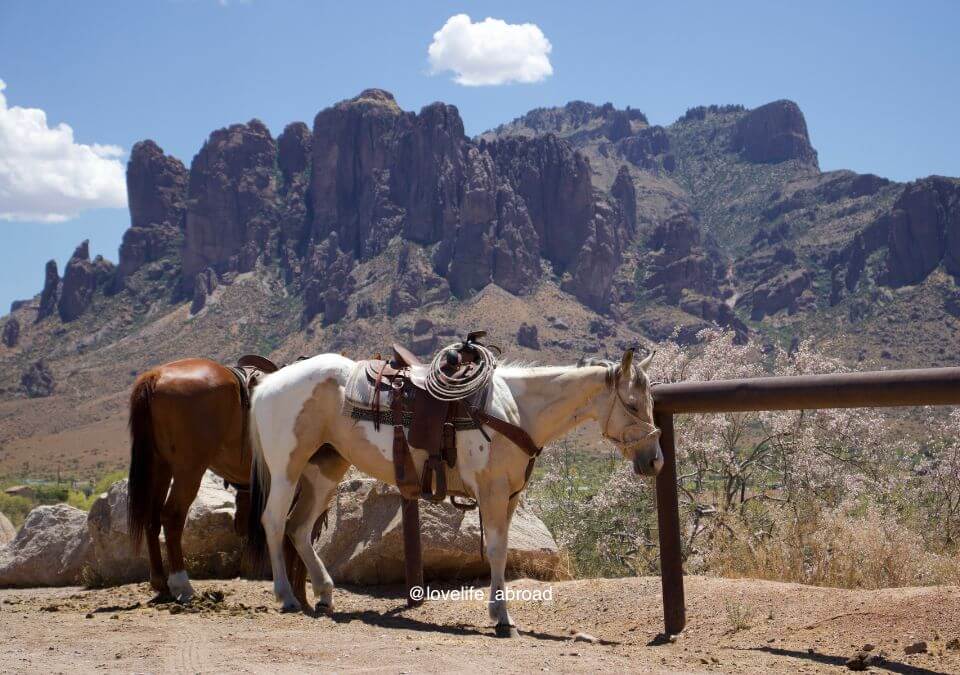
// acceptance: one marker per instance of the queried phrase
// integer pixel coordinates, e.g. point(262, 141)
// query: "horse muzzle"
point(648, 462)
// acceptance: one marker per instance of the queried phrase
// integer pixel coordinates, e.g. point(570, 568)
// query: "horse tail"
point(256, 536)
point(259, 491)
point(143, 448)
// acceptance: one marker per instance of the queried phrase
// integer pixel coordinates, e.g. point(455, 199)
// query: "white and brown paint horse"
point(298, 409)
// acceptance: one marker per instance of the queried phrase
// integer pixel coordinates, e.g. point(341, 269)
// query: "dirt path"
point(782, 627)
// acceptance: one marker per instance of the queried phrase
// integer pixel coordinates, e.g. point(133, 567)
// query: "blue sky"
point(876, 80)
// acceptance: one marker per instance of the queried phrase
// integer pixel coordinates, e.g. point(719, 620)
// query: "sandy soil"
point(782, 628)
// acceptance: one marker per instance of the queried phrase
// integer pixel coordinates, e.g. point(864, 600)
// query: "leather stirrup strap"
point(404, 470)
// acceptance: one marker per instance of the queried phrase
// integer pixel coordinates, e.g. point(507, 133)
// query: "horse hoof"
point(162, 598)
point(324, 608)
point(290, 607)
point(505, 630)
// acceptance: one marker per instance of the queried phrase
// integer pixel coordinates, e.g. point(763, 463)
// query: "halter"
point(613, 377)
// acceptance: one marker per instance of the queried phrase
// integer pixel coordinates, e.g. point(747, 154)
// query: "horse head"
point(625, 413)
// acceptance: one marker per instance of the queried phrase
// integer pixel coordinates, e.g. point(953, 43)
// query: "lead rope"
point(465, 382)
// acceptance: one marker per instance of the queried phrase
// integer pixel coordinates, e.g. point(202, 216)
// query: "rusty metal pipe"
point(928, 386)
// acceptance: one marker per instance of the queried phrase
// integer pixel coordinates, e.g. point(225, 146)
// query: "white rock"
point(210, 545)
point(51, 549)
point(363, 542)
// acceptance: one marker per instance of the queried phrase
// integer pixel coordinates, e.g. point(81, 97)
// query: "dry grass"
point(831, 548)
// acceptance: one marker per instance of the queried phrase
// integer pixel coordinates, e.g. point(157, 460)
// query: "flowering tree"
point(857, 497)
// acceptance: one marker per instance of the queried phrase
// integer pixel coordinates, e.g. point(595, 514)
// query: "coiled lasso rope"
point(453, 388)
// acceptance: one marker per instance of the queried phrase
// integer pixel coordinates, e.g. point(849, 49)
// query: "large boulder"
point(7, 530)
point(363, 541)
point(210, 545)
point(51, 549)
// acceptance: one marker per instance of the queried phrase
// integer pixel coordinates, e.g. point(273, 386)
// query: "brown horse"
point(185, 417)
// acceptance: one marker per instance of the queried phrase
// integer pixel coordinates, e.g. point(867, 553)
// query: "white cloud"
point(491, 51)
point(46, 176)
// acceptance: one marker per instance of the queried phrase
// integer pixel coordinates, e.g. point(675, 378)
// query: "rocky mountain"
point(575, 229)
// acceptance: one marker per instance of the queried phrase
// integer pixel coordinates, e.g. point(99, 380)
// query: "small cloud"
point(45, 176)
point(490, 52)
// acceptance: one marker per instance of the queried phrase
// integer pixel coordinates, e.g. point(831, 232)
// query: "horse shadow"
point(883, 662)
point(396, 619)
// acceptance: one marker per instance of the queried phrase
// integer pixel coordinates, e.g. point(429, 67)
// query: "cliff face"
point(722, 217)
point(319, 203)
point(157, 194)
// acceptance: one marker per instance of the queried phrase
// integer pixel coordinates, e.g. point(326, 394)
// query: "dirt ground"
point(734, 626)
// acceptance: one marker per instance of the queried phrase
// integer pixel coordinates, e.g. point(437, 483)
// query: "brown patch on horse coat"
point(330, 463)
point(310, 427)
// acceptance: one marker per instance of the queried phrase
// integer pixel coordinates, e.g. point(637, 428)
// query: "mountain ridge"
point(583, 225)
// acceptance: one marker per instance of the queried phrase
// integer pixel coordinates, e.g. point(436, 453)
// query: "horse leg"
point(161, 484)
point(274, 520)
point(497, 510)
point(182, 494)
point(318, 485)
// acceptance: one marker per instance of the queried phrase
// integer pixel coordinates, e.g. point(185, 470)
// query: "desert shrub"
point(15, 508)
point(829, 497)
point(600, 515)
point(104, 482)
point(49, 494)
point(81, 500)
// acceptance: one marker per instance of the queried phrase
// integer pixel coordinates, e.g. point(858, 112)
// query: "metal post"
point(412, 553)
point(668, 523)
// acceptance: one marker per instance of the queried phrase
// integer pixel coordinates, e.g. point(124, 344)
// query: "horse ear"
point(646, 362)
point(627, 361)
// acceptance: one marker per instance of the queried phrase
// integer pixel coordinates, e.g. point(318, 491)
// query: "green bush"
point(104, 483)
point(15, 508)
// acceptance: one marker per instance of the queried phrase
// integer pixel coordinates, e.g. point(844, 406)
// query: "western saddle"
point(433, 401)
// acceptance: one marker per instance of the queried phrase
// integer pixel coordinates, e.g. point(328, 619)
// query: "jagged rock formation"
point(923, 231)
point(37, 381)
point(774, 132)
point(81, 278)
point(157, 192)
point(11, 332)
point(231, 200)
point(722, 217)
point(416, 284)
point(528, 336)
point(50, 295)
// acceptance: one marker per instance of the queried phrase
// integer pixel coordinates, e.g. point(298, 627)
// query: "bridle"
point(614, 374)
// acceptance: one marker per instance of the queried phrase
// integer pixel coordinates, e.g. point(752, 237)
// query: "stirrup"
point(463, 506)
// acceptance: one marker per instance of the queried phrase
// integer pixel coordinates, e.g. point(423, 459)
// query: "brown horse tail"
point(142, 456)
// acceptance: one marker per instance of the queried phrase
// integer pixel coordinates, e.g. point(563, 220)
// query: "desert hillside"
point(569, 231)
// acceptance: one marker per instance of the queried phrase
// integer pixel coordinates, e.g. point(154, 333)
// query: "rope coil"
point(464, 382)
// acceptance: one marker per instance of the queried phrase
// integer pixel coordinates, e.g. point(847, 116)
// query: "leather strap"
point(515, 434)
point(403, 467)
